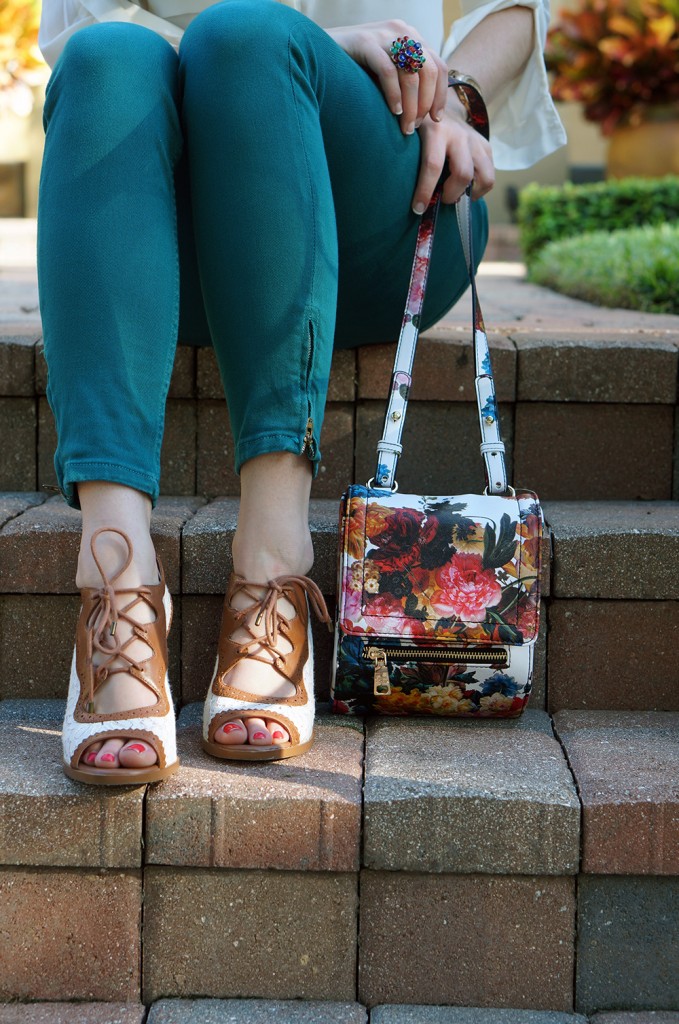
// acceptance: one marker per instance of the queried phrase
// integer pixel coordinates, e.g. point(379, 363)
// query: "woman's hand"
point(412, 96)
point(454, 144)
point(423, 100)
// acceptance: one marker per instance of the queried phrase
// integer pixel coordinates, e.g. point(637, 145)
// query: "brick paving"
point(306, 818)
point(461, 931)
point(403, 871)
point(282, 1011)
point(73, 1013)
point(627, 766)
point(490, 796)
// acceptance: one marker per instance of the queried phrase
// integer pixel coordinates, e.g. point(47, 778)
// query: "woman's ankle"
point(109, 508)
point(112, 553)
point(292, 555)
point(273, 537)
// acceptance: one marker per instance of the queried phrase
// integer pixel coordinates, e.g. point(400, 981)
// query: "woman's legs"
point(269, 279)
point(287, 141)
point(301, 184)
point(326, 145)
point(107, 505)
point(109, 294)
point(272, 539)
point(107, 253)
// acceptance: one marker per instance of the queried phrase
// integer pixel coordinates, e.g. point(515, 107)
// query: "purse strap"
point(389, 447)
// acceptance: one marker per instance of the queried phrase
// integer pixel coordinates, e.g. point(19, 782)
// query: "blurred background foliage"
point(21, 65)
point(619, 58)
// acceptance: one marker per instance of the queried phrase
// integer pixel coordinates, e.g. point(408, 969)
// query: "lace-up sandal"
point(96, 632)
point(224, 702)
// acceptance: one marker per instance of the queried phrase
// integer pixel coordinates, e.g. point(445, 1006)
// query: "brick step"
point(296, 1012)
point(610, 626)
point(399, 861)
point(585, 415)
point(263, 1011)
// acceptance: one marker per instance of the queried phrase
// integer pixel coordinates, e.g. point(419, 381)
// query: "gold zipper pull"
point(381, 685)
point(308, 443)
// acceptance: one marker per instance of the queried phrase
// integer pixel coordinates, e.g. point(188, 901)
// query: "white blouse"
point(524, 123)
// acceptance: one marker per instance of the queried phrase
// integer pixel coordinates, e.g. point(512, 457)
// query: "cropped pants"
point(252, 192)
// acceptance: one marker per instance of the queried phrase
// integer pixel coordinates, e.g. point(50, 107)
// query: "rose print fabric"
point(460, 569)
point(437, 574)
point(431, 688)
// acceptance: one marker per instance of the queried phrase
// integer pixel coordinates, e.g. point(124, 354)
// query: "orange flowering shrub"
point(21, 64)
point(617, 58)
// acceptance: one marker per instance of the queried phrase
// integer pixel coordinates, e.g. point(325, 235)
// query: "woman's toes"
point(137, 754)
point(89, 756)
point(278, 733)
point(231, 732)
point(258, 734)
point(107, 757)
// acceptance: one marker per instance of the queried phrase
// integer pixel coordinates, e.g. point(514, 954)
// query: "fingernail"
point(410, 129)
point(419, 122)
point(437, 116)
point(419, 209)
point(398, 109)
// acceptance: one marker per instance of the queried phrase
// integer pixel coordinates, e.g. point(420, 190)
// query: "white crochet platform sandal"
point(95, 632)
point(225, 703)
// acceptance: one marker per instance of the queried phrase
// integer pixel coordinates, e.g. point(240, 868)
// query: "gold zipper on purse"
point(497, 657)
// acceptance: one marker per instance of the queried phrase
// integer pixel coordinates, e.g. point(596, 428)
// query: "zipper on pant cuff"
point(309, 443)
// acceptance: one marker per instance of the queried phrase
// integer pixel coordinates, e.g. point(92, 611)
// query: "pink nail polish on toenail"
point(259, 736)
point(278, 735)
point(230, 727)
point(138, 747)
point(107, 757)
point(91, 757)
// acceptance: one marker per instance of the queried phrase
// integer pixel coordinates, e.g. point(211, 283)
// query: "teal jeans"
point(252, 192)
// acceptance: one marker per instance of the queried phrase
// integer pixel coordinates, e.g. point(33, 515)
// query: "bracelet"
point(469, 94)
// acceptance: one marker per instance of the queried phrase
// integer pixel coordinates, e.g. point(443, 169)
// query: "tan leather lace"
point(102, 622)
point(268, 612)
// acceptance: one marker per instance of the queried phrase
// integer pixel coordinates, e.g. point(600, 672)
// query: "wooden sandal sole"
point(120, 776)
point(247, 752)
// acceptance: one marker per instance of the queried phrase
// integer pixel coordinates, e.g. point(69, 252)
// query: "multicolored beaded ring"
point(407, 54)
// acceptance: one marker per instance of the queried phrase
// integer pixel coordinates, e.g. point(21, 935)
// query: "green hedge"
point(550, 213)
point(637, 268)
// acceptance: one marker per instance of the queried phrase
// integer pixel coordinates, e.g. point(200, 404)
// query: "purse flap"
point(460, 569)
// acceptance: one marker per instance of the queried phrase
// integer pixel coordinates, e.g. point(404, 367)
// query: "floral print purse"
point(438, 597)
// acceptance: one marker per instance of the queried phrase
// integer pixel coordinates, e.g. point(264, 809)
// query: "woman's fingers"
point(424, 92)
point(483, 170)
point(465, 153)
point(432, 159)
point(461, 169)
point(410, 95)
point(378, 60)
point(413, 92)
point(485, 182)
point(426, 89)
